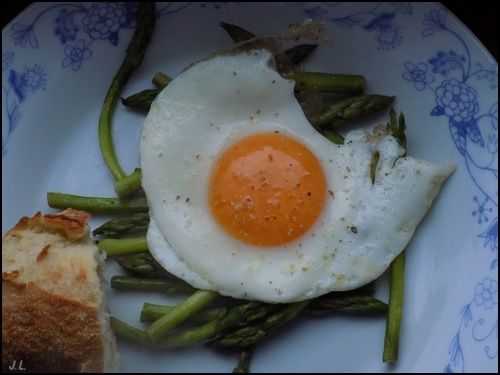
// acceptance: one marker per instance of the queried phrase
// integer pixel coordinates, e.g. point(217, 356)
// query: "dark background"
point(480, 17)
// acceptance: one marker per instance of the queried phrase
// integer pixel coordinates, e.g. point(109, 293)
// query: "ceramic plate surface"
point(58, 60)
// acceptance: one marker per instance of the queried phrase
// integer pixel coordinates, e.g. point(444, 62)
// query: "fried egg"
point(246, 198)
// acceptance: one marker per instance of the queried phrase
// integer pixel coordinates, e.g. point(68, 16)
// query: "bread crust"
point(49, 332)
point(70, 223)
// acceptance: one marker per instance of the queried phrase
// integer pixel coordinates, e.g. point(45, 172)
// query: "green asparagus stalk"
point(397, 271)
point(237, 33)
point(294, 55)
point(123, 226)
point(334, 137)
point(127, 283)
point(402, 131)
point(393, 122)
point(128, 332)
point(194, 336)
point(395, 312)
point(299, 53)
point(133, 58)
point(189, 337)
point(248, 336)
point(180, 314)
point(97, 205)
point(151, 312)
point(129, 184)
point(143, 265)
point(373, 165)
point(236, 316)
point(352, 109)
point(337, 83)
point(123, 246)
point(348, 304)
point(161, 80)
point(397, 127)
point(142, 270)
point(250, 321)
point(290, 58)
point(142, 100)
point(243, 366)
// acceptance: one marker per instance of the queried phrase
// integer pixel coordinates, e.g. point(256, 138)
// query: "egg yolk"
point(267, 189)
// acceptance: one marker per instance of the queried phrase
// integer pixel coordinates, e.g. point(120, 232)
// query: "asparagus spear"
point(180, 314)
point(250, 322)
point(98, 205)
point(290, 58)
point(349, 304)
point(184, 339)
point(353, 108)
point(161, 80)
point(237, 316)
point(129, 184)
point(243, 366)
point(133, 58)
point(128, 332)
point(250, 335)
point(338, 83)
point(397, 127)
point(395, 312)
point(234, 317)
point(142, 100)
point(114, 246)
point(397, 271)
point(237, 33)
point(142, 265)
point(144, 270)
point(373, 165)
point(123, 226)
point(334, 137)
point(127, 283)
point(294, 55)
point(151, 312)
point(402, 131)
point(299, 53)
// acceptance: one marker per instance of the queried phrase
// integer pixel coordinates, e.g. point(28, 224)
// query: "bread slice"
point(54, 315)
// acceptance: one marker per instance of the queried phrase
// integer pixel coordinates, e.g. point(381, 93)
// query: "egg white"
point(362, 228)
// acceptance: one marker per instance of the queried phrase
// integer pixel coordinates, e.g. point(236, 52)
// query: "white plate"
point(57, 65)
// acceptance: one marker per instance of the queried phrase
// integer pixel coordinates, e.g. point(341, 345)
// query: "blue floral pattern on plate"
point(380, 19)
point(448, 74)
point(78, 26)
point(20, 85)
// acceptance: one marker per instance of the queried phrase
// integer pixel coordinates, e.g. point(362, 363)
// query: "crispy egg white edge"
point(184, 133)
